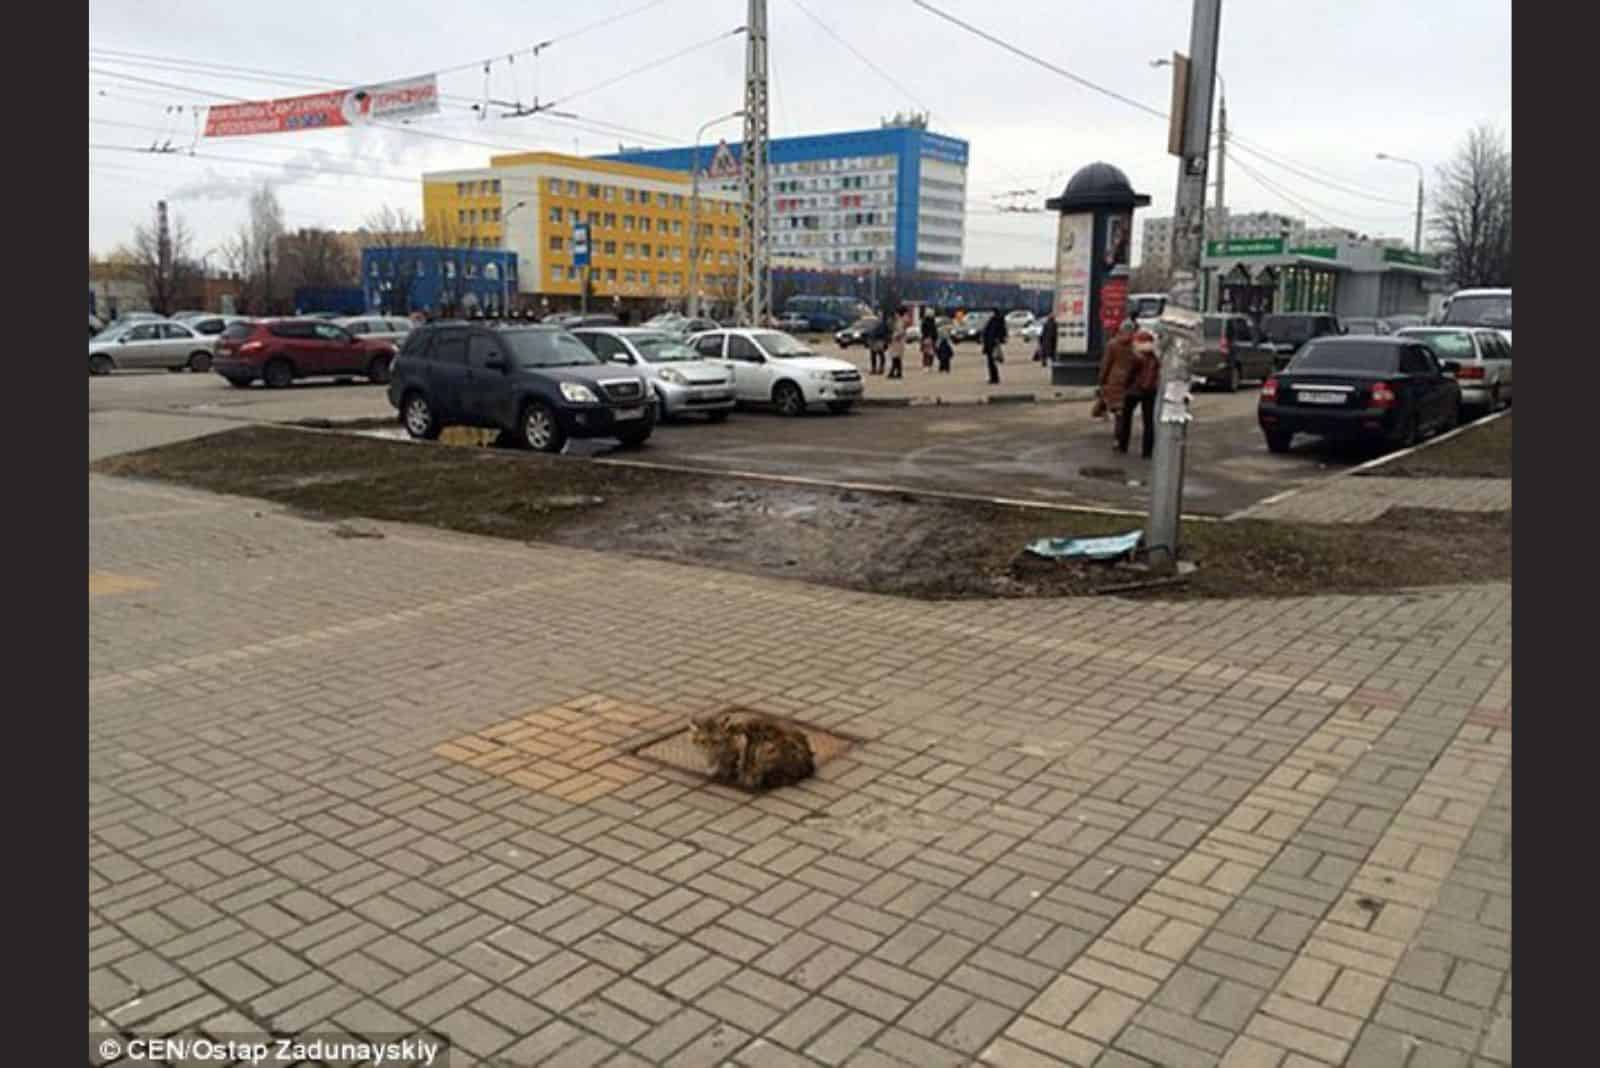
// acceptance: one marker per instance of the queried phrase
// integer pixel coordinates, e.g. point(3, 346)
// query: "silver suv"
point(683, 381)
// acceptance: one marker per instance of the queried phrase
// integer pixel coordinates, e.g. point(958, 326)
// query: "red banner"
point(340, 107)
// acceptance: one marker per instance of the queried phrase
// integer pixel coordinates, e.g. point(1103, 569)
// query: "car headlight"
point(578, 394)
point(821, 376)
point(667, 374)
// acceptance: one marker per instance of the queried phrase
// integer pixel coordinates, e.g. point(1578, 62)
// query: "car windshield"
point(547, 348)
point(1480, 311)
point(1357, 356)
point(1148, 308)
point(780, 346)
point(1449, 344)
point(659, 348)
point(1286, 327)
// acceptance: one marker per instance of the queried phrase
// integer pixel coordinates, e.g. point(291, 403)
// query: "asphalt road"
point(1046, 452)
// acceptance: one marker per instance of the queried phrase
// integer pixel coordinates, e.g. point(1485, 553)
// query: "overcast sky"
point(1321, 88)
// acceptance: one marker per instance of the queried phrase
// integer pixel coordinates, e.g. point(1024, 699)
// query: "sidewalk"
point(375, 786)
point(968, 380)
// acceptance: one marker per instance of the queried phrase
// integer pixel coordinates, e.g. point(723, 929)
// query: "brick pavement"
point(1082, 832)
point(1363, 498)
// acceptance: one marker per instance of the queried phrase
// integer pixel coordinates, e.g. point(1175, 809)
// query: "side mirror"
point(495, 363)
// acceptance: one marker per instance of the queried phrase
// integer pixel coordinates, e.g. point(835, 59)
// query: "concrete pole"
point(1222, 161)
point(1416, 239)
point(1166, 480)
point(694, 234)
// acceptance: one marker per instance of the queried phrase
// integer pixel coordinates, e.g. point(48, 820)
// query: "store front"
point(1260, 276)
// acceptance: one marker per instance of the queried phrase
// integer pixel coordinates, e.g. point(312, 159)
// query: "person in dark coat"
point(945, 352)
point(994, 337)
point(1144, 378)
point(878, 345)
point(1047, 340)
point(930, 339)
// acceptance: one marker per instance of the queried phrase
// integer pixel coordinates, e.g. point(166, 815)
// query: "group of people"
point(886, 346)
point(1130, 376)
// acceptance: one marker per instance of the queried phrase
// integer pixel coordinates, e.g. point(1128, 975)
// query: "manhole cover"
point(676, 749)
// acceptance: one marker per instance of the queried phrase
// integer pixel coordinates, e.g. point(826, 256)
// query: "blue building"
point(893, 198)
point(438, 278)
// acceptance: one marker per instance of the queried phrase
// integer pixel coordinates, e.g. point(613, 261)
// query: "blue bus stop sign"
point(580, 244)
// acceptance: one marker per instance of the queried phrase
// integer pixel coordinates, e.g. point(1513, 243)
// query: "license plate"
point(1321, 398)
point(848, 388)
point(628, 413)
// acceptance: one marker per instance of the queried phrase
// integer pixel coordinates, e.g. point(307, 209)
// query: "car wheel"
point(1412, 433)
point(717, 417)
point(635, 438)
point(416, 414)
point(539, 429)
point(100, 364)
point(1278, 441)
point(789, 399)
point(378, 370)
point(1230, 384)
point(840, 407)
point(199, 362)
point(278, 373)
point(1453, 420)
point(1494, 398)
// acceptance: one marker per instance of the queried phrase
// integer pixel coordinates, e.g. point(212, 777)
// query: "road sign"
point(580, 244)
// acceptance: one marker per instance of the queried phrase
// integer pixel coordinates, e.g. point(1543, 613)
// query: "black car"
point(857, 333)
point(1286, 332)
point(970, 328)
point(1388, 390)
point(1233, 352)
point(539, 385)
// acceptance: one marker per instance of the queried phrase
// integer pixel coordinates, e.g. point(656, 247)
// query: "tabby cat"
point(745, 748)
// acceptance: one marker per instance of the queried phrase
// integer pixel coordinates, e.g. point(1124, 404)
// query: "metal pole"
point(1166, 480)
point(1416, 239)
point(1222, 160)
point(694, 234)
point(754, 295)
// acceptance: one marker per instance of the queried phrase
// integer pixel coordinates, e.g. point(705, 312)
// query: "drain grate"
point(675, 749)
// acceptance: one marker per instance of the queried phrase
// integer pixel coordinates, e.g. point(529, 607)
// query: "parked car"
point(682, 381)
point(187, 314)
point(857, 333)
point(1390, 390)
point(969, 328)
point(1398, 323)
point(278, 351)
point(775, 368)
point(212, 325)
point(1233, 353)
point(382, 327)
point(1287, 332)
point(538, 384)
point(149, 344)
point(1480, 307)
point(137, 317)
point(682, 328)
point(1366, 325)
point(1033, 330)
point(1485, 359)
point(1018, 320)
point(794, 324)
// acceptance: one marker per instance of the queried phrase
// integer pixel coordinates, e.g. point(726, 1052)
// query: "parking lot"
point(1051, 452)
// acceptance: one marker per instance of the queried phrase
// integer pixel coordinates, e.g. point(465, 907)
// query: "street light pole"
point(694, 213)
point(1416, 236)
point(505, 283)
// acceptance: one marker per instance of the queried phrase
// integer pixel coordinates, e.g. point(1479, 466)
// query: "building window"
point(630, 250)
point(628, 277)
point(644, 196)
point(449, 269)
point(644, 224)
point(572, 274)
point(628, 197)
point(555, 186)
point(644, 250)
point(611, 248)
point(491, 272)
point(627, 222)
point(609, 193)
point(611, 274)
point(421, 269)
point(593, 217)
point(593, 192)
point(677, 201)
point(472, 270)
point(611, 220)
point(461, 216)
point(572, 188)
point(555, 215)
point(496, 185)
point(555, 242)
point(496, 214)
point(556, 273)
point(677, 253)
point(661, 252)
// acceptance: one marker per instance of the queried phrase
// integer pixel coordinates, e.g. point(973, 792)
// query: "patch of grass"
point(1482, 451)
point(882, 543)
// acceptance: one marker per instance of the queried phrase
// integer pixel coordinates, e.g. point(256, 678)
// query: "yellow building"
point(639, 226)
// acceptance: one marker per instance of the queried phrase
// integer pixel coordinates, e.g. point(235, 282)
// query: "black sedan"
point(1387, 390)
point(857, 333)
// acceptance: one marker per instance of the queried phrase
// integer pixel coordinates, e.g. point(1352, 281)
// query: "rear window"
point(1488, 310)
point(1287, 327)
point(1449, 344)
point(1346, 356)
point(239, 331)
point(1213, 328)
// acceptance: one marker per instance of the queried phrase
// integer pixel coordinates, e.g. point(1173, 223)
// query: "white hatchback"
point(771, 367)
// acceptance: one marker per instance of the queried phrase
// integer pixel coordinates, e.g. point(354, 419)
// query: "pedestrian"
point(994, 340)
point(930, 339)
point(877, 343)
point(1143, 381)
point(1116, 364)
point(897, 344)
point(1047, 340)
point(945, 352)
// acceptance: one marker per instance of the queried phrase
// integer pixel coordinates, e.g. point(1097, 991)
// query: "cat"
point(745, 748)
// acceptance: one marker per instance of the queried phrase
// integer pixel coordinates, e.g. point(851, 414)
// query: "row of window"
point(628, 195)
point(854, 181)
point(941, 204)
point(491, 271)
point(630, 250)
point(558, 273)
point(940, 183)
point(608, 221)
point(842, 163)
point(787, 204)
point(472, 216)
point(483, 188)
point(819, 240)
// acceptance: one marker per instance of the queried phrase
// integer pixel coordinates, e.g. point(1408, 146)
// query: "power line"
point(885, 75)
point(1265, 157)
point(630, 73)
point(1031, 58)
point(1273, 187)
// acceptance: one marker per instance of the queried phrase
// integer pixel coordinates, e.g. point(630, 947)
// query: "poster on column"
point(1074, 267)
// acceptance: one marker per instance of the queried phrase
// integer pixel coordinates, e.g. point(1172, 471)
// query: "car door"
point(751, 370)
point(1495, 352)
point(338, 350)
point(1425, 380)
point(177, 342)
point(447, 374)
point(486, 394)
point(140, 347)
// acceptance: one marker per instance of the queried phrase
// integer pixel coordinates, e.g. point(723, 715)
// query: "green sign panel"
point(1325, 252)
point(1414, 259)
point(1255, 246)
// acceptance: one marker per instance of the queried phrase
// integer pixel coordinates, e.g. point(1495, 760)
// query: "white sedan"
point(150, 344)
point(771, 367)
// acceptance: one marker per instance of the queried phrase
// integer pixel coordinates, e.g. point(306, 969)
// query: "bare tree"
point(1472, 210)
point(388, 229)
point(162, 258)
point(239, 259)
point(316, 259)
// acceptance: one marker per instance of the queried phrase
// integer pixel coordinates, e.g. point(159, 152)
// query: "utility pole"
point(1188, 241)
point(755, 276)
point(1222, 158)
point(694, 213)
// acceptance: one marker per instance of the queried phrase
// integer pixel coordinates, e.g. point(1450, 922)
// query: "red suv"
point(278, 351)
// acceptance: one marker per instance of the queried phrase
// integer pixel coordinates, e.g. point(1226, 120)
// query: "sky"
point(1320, 89)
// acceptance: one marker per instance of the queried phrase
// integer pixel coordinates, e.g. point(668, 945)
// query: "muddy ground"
point(892, 543)
point(1481, 451)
